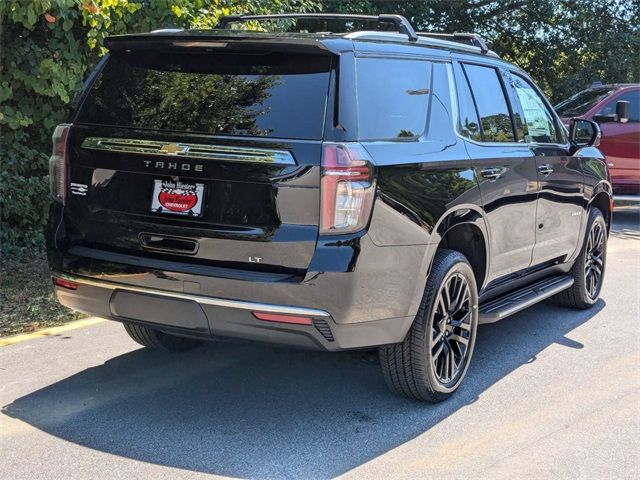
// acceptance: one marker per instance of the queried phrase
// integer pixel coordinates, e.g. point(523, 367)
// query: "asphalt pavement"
point(551, 393)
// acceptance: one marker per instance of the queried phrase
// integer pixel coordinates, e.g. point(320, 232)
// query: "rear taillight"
point(58, 163)
point(347, 188)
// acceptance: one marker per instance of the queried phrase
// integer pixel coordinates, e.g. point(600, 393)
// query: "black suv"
point(374, 188)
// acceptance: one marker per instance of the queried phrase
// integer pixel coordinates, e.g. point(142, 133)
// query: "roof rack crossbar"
point(461, 37)
point(401, 23)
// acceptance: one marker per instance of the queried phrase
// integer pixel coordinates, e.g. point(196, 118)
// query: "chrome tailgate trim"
point(190, 150)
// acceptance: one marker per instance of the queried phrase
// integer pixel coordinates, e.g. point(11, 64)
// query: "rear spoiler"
point(185, 40)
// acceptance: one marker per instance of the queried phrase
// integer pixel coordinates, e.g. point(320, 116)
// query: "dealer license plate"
point(177, 198)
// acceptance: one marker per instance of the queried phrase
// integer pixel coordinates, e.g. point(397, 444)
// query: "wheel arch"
point(464, 230)
point(602, 199)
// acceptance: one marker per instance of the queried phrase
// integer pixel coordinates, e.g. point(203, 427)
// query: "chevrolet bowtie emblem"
point(174, 148)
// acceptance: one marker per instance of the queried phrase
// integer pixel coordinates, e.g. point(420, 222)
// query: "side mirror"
point(583, 133)
point(622, 111)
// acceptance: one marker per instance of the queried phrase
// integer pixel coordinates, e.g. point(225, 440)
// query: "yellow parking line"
point(46, 332)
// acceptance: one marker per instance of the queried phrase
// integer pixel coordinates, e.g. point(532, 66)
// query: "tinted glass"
point(539, 125)
point(516, 114)
point(469, 125)
point(393, 96)
point(584, 132)
point(492, 106)
point(582, 102)
point(267, 95)
point(634, 105)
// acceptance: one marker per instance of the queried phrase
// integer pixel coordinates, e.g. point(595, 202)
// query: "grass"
point(27, 301)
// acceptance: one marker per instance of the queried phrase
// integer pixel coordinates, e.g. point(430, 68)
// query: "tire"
point(581, 295)
point(157, 340)
point(413, 368)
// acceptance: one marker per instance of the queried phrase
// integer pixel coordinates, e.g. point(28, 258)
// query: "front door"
point(560, 179)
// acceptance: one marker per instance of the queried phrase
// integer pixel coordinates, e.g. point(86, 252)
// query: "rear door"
point(202, 157)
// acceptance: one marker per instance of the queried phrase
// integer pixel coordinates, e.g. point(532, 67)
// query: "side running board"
point(501, 307)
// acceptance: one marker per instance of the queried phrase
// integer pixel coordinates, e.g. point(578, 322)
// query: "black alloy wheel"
point(432, 361)
point(451, 329)
point(594, 260)
point(589, 266)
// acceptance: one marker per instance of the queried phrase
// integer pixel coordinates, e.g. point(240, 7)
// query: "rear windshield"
point(271, 95)
point(582, 102)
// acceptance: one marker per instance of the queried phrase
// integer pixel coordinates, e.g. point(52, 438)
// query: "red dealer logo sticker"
point(177, 202)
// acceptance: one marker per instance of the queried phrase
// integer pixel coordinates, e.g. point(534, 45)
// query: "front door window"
point(539, 125)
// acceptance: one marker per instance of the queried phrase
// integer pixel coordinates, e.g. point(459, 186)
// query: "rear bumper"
point(205, 316)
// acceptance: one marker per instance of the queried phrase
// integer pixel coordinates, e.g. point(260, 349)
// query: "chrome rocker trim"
point(201, 299)
point(189, 150)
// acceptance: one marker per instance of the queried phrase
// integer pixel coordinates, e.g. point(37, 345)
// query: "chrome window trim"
point(201, 299)
point(189, 150)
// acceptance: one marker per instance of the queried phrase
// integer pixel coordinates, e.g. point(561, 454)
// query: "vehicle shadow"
point(244, 409)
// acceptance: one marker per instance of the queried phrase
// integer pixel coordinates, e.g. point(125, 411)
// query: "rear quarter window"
point(273, 95)
point(393, 97)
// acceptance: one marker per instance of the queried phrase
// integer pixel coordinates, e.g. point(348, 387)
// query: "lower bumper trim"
point(201, 299)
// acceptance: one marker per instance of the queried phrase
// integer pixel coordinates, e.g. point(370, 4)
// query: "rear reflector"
point(274, 317)
point(61, 282)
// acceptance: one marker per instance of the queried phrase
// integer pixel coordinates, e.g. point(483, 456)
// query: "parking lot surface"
point(551, 393)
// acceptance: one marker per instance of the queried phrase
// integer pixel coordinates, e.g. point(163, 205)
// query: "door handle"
point(545, 169)
point(492, 173)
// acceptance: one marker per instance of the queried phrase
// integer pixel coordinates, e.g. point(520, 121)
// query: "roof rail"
point(401, 23)
point(469, 38)
point(167, 30)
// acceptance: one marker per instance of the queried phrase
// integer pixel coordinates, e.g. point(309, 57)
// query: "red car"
point(620, 136)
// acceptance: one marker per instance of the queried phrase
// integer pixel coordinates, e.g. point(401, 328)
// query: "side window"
point(495, 119)
point(393, 96)
point(633, 98)
point(468, 125)
point(516, 113)
point(539, 125)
